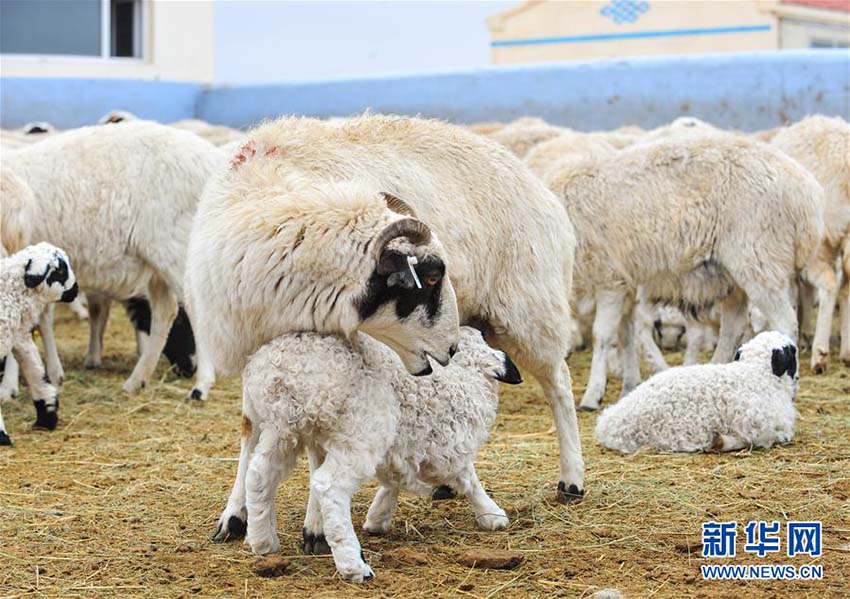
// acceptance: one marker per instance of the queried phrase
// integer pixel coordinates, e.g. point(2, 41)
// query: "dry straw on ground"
point(121, 499)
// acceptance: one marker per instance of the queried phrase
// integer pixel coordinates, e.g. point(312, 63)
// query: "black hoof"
point(5, 441)
point(569, 494)
point(196, 394)
point(44, 418)
point(442, 493)
point(236, 529)
point(314, 544)
point(368, 577)
point(587, 409)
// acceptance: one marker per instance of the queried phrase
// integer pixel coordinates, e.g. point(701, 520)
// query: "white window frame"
point(140, 43)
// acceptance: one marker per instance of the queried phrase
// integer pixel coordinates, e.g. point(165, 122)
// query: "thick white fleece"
point(744, 403)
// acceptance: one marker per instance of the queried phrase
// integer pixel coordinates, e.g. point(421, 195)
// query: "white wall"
point(274, 41)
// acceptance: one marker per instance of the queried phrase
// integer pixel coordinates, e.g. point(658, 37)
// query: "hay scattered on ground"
point(122, 498)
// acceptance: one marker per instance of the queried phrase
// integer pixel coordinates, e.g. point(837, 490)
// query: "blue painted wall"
point(70, 103)
point(745, 91)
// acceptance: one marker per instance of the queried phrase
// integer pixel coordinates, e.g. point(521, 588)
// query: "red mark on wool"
point(247, 150)
point(271, 150)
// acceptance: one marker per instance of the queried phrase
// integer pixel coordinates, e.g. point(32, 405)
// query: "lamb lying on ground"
point(29, 280)
point(720, 407)
point(359, 414)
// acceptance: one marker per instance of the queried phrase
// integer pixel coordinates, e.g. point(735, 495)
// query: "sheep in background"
point(359, 415)
point(711, 407)
point(691, 221)
point(684, 126)
point(121, 201)
point(117, 116)
point(218, 135)
point(15, 139)
point(520, 136)
point(486, 128)
point(30, 280)
point(822, 145)
point(483, 203)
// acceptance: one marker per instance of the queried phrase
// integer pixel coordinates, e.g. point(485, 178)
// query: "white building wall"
point(260, 41)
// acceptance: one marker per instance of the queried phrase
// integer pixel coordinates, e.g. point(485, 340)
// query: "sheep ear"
point(31, 280)
point(784, 361)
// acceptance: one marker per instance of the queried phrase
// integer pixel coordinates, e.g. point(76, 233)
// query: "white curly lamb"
point(359, 415)
point(718, 407)
point(30, 280)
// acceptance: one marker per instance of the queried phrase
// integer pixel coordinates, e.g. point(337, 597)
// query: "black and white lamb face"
point(473, 352)
point(409, 303)
point(773, 349)
point(48, 271)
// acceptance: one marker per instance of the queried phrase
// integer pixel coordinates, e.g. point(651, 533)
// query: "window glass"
point(50, 27)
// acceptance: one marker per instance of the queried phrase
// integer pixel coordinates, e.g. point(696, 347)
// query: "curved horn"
point(398, 205)
point(415, 230)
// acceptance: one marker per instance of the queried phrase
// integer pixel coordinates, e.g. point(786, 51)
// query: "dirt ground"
point(120, 501)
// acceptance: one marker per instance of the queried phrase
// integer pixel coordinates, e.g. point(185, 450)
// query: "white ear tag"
point(411, 262)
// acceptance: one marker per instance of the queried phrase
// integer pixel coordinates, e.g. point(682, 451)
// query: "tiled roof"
point(843, 5)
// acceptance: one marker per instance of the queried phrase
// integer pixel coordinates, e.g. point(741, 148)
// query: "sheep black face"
point(409, 303)
point(784, 361)
point(48, 271)
point(772, 348)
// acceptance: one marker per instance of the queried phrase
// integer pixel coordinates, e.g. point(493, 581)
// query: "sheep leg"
point(55, 372)
point(9, 386)
point(43, 393)
point(822, 273)
point(778, 308)
point(5, 441)
point(205, 374)
point(544, 356)
point(266, 468)
point(651, 352)
point(628, 350)
point(163, 311)
point(80, 307)
point(381, 512)
point(643, 328)
point(333, 483)
point(728, 443)
point(844, 356)
point(807, 311)
point(233, 521)
point(696, 339)
point(488, 514)
point(733, 319)
point(557, 387)
point(98, 317)
point(609, 313)
point(313, 533)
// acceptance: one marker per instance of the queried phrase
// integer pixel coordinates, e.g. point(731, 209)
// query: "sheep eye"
point(431, 281)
